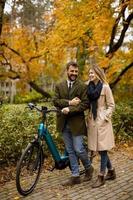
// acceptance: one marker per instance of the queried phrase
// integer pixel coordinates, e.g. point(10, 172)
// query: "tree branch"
point(18, 54)
point(113, 47)
point(14, 51)
point(114, 29)
point(17, 75)
point(38, 89)
point(113, 84)
point(34, 57)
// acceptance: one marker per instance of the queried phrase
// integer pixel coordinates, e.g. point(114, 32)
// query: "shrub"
point(123, 121)
point(18, 126)
point(32, 96)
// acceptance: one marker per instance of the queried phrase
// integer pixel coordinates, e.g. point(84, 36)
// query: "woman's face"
point(92, 76)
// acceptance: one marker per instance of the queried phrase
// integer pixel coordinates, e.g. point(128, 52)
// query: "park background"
point(37, 39)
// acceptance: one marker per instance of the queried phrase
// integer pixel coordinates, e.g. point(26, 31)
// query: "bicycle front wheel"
point(28, 169)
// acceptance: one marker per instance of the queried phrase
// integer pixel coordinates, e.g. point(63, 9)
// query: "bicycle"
point(32, 158)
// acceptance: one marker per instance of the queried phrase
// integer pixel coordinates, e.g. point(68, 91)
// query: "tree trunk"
point(2, 5)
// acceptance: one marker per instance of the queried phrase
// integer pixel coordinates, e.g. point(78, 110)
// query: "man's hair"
point(71, 63)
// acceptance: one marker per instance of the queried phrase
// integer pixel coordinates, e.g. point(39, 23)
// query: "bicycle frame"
point(32, 158)
point(61, 161)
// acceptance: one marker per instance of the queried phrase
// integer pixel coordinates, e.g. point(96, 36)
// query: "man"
point(71, 99)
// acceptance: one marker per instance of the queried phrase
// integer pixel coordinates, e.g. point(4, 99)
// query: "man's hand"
point(65, 110)
point(74, 102)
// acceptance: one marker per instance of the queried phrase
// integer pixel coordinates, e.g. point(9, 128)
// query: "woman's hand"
point(65, 110)
point(74, 102)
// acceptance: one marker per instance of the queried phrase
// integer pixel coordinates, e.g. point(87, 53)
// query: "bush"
point(16, 129)
point(32, 96)
point(123, 122)
point(18, 126)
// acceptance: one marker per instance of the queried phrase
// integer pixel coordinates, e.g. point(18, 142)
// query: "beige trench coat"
point(100, 131)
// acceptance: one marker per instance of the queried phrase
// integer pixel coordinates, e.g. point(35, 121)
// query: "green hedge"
point(123, 121)
point(32, 96)
point(18, 126)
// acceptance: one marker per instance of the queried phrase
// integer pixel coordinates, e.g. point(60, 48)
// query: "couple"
point(73, 97)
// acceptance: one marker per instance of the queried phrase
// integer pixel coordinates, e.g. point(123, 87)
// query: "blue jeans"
point(75, 148)
point(105, 161)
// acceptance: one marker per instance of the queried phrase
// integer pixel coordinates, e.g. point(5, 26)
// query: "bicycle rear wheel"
point(29, 168)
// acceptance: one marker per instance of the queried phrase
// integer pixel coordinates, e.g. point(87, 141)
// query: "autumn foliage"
point(88, 31)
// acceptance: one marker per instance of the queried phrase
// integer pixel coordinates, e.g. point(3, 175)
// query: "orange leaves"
point(26, 60)
point(85, 24)
point(104, 62)
point(90, 21)
point(74, 19)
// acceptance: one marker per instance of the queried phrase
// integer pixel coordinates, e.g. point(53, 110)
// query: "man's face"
point(72, 73)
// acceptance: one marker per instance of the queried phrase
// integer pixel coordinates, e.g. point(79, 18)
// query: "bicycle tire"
point(30, 161)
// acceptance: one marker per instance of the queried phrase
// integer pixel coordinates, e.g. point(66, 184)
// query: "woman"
point(100, 131)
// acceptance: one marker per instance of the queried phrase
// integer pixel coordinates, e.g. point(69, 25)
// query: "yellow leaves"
point(74, 19)
point(104, 62)
point(125, 145)
point(16, 198)
point(90, 21)
point(35, 68)
point(26, 59)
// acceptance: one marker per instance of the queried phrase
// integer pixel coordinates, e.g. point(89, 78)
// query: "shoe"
point(88, 174)
point(111, 174)
point(72, 181)
point(99, 182)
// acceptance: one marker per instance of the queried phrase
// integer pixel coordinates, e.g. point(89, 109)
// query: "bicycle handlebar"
point(43, 109)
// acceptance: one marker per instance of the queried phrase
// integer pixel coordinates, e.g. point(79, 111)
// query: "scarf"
point(93, 93)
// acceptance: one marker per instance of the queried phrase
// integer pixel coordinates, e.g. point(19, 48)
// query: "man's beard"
point(72, 77)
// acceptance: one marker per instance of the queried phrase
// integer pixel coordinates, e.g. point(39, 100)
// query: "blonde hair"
point(99, 73)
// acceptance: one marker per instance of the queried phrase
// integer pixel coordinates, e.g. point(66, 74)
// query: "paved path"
point(49, 186)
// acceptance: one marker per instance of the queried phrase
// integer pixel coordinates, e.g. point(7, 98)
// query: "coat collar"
point(65, 86)
point(73, 84)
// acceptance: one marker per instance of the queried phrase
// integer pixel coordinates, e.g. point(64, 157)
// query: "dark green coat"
point(75, 118)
